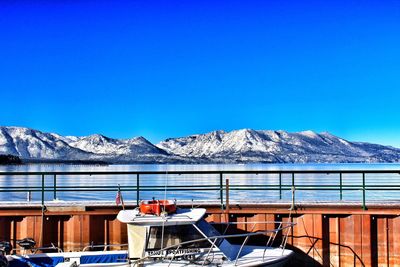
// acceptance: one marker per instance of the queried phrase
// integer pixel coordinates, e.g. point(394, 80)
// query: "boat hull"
point(273, 258)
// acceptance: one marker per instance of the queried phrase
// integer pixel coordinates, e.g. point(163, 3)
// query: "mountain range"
point(238, 146)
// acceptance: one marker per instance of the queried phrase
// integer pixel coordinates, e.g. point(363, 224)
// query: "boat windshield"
point(174, 235)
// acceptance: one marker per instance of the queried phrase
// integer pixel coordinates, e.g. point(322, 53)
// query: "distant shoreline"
point(10, 160)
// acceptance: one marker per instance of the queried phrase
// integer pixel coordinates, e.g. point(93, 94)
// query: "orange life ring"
point(157, 207)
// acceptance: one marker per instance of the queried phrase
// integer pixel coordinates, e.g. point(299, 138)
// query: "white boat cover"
point(182, 216)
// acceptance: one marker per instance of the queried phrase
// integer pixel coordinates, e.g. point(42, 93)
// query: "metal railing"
point(274, 184)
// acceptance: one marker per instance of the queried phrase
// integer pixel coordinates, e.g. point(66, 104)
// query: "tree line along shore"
point(15, 160)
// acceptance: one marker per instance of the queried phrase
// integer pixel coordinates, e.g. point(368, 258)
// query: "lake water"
point(75, 183)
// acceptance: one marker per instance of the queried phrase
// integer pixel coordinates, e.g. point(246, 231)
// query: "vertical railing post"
point(280, 185)
point(221, 188)
point(364, 207)
point(54, 187)
point(292, 178)
point(341, 186)
point(293, 207)
point(42, 191)
point(137, 189)
point(43, 209)
point(227, 194)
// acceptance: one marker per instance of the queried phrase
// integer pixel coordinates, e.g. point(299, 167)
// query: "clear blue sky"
point(173, 68)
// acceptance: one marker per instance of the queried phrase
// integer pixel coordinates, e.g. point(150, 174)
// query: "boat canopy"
point(182, 216)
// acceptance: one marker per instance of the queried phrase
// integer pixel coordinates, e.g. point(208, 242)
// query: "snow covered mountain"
point(248, 145)
point(31, 144)
point(35, 145)
point(244, 145)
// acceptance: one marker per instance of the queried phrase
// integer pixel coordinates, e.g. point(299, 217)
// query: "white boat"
point(181, 238)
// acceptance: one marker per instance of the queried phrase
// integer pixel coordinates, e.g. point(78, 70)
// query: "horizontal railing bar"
point(160, 190)
point(199, 172)
point(102, 189)
point(132, 190)
point(272, 187)
point(205, 186)
point(313, 186)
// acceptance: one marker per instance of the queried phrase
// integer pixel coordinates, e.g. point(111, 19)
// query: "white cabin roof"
point(182, 216)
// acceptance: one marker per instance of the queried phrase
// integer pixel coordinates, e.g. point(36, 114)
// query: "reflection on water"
point(258, 187)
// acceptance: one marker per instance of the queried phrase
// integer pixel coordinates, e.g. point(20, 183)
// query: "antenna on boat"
point(163, 207)
point(293, 206)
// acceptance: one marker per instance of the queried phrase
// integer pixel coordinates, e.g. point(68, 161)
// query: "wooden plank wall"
point(321, 237)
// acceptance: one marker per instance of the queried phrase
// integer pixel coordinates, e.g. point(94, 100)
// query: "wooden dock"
point(326, 234)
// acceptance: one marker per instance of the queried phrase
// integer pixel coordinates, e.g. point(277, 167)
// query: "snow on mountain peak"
point(248, 145)
point(309, 133)
point(33, 144)
point(139, 139)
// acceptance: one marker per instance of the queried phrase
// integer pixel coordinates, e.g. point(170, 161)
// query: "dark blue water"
point(75, 183)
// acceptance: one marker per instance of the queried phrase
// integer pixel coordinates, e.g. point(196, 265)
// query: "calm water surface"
point(76, 183)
